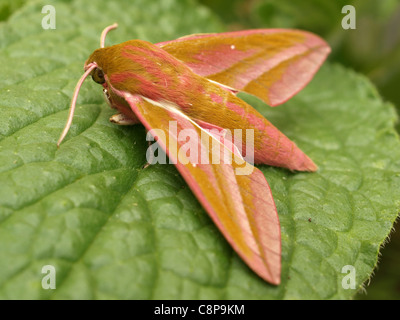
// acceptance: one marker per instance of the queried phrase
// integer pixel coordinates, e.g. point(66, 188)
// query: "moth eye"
point(98, 76)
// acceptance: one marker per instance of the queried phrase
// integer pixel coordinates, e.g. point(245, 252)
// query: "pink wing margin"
point(241, 206)
point(272, 64)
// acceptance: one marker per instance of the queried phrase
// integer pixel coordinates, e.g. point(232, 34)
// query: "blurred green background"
point(373, 48)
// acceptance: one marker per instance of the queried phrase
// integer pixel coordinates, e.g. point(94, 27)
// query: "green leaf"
point(386, 282)
point(114, 230)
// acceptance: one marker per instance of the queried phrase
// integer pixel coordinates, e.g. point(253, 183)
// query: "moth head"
point(97, 59)
point(93, 69)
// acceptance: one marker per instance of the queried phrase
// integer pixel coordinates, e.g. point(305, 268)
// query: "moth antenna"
point(104, 33)
point(89, 69)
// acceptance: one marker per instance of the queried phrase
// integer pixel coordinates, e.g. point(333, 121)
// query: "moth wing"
point(272, 64)
point(241, 206)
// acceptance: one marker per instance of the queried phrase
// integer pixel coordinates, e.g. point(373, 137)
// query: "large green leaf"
point(114, 230)
point(386, 282)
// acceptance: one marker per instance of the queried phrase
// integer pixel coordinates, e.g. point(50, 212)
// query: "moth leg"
point(122, 119)
point(125, 117)
point(107, 98)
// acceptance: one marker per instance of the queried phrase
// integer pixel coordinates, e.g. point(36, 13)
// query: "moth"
point(192, 83)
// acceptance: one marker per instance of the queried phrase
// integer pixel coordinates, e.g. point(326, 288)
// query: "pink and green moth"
point(193, 81)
